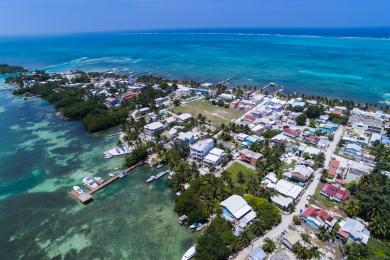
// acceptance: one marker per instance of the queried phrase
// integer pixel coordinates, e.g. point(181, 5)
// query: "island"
point(7, 69)
point(257, 171)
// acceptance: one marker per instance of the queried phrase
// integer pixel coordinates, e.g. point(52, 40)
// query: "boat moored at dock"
point(189, 253)
point(78, 190)
point(158, 176)
point(90, 183)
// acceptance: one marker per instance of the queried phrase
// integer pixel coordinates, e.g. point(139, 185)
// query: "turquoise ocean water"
point(38, 219)
point(130, 219)
point(345, 67)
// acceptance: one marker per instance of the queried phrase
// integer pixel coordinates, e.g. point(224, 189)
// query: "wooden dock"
point(87, 196)
point(84, 198)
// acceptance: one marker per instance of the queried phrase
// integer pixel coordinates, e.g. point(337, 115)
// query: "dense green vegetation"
point(301, 119)
point(217, 242)
point(140, 153)
point(5, 69)
point(303, 252)
point(75, 103)
point(372, 203)
point(355, 251)
point(342, 120)
point(266, 212)
point(271, 161)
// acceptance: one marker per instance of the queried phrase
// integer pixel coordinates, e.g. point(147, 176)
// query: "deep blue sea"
point(343, 63)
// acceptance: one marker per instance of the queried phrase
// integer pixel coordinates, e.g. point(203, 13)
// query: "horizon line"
point(161, 30)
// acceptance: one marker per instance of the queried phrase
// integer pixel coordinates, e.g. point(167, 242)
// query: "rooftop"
point(236, 205)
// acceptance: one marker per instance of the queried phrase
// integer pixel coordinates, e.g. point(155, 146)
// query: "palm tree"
point(314, 252)
point(258, 227)
point(305, 237)
point(324, 234)
point(208, 206)
point(378, 228)
point(352, 208)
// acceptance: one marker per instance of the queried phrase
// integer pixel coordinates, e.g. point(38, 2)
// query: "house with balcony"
point(154, 128)
point(199, 150)
point(214, 157)
point(250, 157)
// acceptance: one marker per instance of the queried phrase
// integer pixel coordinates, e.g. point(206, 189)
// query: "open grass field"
point(236, 167)
point(216, 115)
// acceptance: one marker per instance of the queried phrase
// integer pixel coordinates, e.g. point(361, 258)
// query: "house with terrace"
point(300, 173)
point(250, 157)
point(214, 157)
point(152, 129)
point(237, 211)
point(199, 150)
point(316, 217)
point(332, 192)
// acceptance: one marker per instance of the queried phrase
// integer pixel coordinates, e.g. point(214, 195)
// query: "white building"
point(199, 150)
point(287, 189)
point(153, 128)
point(184, 117)
point(161, 101)
point(214, 157)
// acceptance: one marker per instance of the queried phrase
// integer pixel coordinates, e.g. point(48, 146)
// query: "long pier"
point(86, 197)
point(225, 80)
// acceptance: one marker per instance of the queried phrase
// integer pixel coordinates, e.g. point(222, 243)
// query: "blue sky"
point(62, 16)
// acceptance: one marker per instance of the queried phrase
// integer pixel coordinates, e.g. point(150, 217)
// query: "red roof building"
point(333, 167)
point(319, 217)
point(291, 132)
point(312, 139)
point(250, 118)
point(130, 95)
point(334, 193)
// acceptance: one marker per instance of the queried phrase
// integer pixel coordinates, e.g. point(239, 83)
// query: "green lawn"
point(380, 249)
point(217, 115)
point(236, 167)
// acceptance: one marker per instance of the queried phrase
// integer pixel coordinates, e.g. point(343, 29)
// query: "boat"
point(158, 166)
point(201, 227)
point(151, 178)
point(195, 225)
point(189, 254)
point(98, 180)
point(90, 183)
point(111, 174)
point(122, 174)
point(21, 148)
point(78, 190)
point(116, 168)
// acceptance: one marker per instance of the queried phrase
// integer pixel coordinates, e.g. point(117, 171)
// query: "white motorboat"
point(78, 190)
point(189, 254)
point(98, 180)
point(90, 183)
